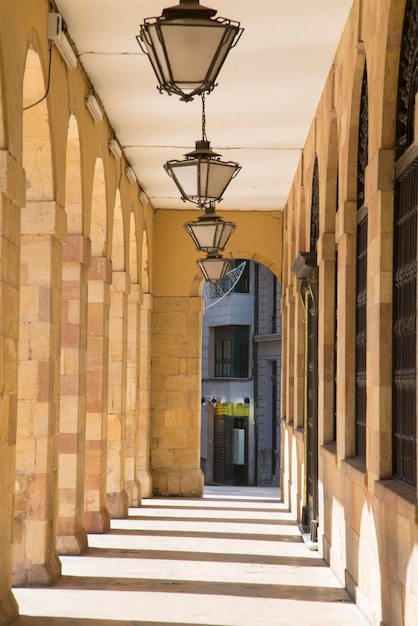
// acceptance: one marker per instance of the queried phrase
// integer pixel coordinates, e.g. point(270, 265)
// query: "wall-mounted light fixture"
point(246, 402)
point(214, 267)
point(115, 148)
point(202, 177)
point(57, 36)
point(94, 108)
point(130, 174)
point(187, 47)
point(213, 401)
point(210, 233)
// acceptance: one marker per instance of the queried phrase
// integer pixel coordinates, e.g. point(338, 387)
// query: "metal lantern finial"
point(202, 177)
point(187, 47)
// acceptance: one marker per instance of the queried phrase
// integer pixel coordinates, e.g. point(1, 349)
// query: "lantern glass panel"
point(190, 47)
point(218, 177)
point(204, 235)
point(186, 177)
point(214, 268)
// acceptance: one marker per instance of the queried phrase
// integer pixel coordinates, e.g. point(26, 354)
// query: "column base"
point(37, 574)
point(187, 483)
point(117, 503)
point(145, 479)
point(72, 544)
point(97, 522)
point(134, 491)
point(9, 609)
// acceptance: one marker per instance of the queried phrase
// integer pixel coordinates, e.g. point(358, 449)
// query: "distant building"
point(241, 363)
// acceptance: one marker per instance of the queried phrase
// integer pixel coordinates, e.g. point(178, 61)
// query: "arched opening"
point(39, 347)
point(117, 442)
point(368, 596)
point(241, 366)
point(10, 205)
point(96, 515)
point(71, 536)
point(132, 478)
point(144, 370)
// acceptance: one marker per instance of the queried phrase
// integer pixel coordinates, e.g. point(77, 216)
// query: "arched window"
point(315, 207)
point(361, 274)
point(405, 257)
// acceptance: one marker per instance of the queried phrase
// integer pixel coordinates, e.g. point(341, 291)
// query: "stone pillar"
point(71, 535)
point(117, 496)
point(35, 557)
point(12, 190)
point(144, 422)
point(132, 481)
point(96, 515)
point(379, 315)
point(175, 396)
point(346, 225)
point(326, 337)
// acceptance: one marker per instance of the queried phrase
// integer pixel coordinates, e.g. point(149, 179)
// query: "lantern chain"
point(204, 138)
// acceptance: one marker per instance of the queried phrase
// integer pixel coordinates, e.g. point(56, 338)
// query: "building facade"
point(240, 438)
point(349, 316)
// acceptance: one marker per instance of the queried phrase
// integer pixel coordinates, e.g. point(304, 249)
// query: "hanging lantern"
point(214, 267)
point(202, 177)
point(210, 233)
point(187, 47)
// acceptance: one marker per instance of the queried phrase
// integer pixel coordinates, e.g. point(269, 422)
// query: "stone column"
point(96, 515)
point(175, 396)
point(12, 190)
point(132, 481)
point(346, 226)
point(144, 423)
point(117, 496)
point(71, 535)
point(326, 337)
point(36, 505)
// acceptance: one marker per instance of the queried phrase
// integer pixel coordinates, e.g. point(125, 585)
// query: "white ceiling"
point(258, 115)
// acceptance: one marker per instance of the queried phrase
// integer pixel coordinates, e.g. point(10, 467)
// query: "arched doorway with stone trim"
point(176, 350)
point(42, 233)
point(96, 515)
point(71, 535)
point(241, 366)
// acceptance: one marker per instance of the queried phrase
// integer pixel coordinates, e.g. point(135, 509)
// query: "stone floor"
point(235, 558)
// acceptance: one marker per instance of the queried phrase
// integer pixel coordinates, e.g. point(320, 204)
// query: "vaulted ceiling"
point(258, 115)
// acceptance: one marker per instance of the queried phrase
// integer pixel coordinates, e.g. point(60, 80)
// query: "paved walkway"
point(235, 558)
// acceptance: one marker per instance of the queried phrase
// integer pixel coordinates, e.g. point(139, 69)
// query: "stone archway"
point(71, 535)
point(117, 496)
point(144, 370)
point(133, 379)
point(42, 234)
point(96, 516)
point(11, 201)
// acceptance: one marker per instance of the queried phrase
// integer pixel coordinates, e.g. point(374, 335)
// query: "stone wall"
point(367, 520)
